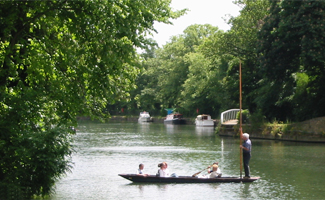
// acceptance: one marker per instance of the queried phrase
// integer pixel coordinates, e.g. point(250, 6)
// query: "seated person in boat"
point(140, 170)
point(214, 173)
point(218, 171)
point(163, 171)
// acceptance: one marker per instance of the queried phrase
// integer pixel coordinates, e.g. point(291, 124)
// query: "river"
point(288, 170)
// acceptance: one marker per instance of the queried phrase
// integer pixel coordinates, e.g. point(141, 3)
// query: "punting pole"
point(240, 120)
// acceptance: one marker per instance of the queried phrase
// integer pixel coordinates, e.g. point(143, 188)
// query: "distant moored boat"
point(145, 117)
point(204, 120)
point(174, 118)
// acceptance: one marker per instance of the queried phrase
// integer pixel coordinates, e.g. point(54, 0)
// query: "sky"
point(200, 12)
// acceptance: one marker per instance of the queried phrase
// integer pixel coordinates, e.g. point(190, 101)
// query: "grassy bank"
point(308, 131)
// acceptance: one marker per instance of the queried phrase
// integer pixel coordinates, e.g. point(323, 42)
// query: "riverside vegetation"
point(62, 59)
point(307, 131)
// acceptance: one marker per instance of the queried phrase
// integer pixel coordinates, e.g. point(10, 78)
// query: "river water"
point(288, 170)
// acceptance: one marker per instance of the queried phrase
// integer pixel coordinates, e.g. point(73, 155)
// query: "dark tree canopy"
point(292, 48)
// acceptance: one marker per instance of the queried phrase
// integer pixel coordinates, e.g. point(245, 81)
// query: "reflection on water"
point(208, 131)
point(287, 170)
point(171, 128)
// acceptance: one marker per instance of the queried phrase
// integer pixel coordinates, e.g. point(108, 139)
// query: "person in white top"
point(163, 171)
point(140, 170)
point(215, 171)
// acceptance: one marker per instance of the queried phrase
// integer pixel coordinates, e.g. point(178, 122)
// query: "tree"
point(292, 49)
point(169, 68)
point(239, 44)
point(60, 59)
point(172, 72)
point(144, 98)
point(202, 87)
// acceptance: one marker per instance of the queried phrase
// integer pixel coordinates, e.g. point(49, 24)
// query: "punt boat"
point(184, 179)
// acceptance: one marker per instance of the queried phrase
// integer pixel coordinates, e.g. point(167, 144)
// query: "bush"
point(31, 162)
point(257, 120)
point(245, 116)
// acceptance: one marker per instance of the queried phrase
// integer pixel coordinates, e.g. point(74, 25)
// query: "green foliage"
point(245, 116)
point(292, 43)
point(33, 161)
point(241, 40)
point(199, 69)
point(60, 59)
point(280, 47)
point(257, 120)
point(165, 73)
point(238, 45)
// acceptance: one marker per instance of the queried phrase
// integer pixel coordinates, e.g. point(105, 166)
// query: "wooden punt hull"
point(184, 179)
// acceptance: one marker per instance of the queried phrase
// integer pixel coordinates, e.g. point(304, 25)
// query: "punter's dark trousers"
point(246, 158)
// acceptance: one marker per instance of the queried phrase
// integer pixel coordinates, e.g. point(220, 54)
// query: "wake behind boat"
point(184, 179)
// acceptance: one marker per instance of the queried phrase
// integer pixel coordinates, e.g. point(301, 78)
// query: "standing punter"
point(247, 147)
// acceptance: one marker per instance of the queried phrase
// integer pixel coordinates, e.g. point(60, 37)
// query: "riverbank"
point(312, 130)
point(190, 121)
point(308, 131)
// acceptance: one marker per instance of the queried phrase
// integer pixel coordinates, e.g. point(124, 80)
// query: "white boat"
point(204, 120)
point(144, 117)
